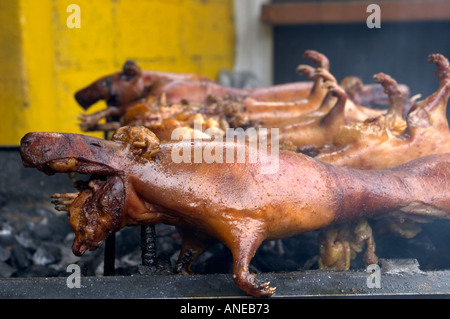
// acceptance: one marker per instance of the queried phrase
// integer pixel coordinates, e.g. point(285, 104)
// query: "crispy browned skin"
point(199, 91)
point(280, 113)
point(260, 116)
point(282, 92)
point(129, 85)
point(196, 92)
point(376, 144)
point(132, 84)
point(317, 128)
point(271, 112)
point(123, 90)
point(136, 181)
point(274, 106)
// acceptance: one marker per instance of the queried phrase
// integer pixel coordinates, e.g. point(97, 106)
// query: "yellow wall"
point(43, 62)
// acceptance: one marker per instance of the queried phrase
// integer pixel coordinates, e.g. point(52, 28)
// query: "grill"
point(302, 284)
point(35, 253)
point(36, 260)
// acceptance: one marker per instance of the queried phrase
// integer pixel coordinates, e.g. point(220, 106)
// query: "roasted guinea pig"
point(271, 112)
point(385, 141)
point(133, 85)
point(314, 128)
point(319, 127)
point(268, 107)
point(210, 192)
point(124, 90)
point(292, 115)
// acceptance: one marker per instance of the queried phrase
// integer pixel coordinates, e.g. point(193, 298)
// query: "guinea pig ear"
point(131, 70)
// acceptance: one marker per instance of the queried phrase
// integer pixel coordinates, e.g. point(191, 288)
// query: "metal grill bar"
point(304, 284)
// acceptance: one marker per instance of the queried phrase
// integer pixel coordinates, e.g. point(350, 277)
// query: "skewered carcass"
point(383, 142)
point(267, 107)
point(132, 86)
point(136, 180)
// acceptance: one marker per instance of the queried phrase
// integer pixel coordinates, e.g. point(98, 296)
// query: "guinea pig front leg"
point(243, 237)
point(90, 122)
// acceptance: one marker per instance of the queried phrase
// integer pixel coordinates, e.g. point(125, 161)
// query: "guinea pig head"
point(117, 89)
point(97, 212)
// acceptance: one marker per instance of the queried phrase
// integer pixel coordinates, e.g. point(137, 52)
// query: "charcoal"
point(52, 227)
point(59, 226)
point(163, 230)
point(91, 262)
point(67, 256)
point(42, 271)
point(47, 254)
point(127, 240)
point(217, 260)
point(131, 259)
point(42, 211)
point(41, 230)
point(100, 267)
point(7, 233)
point(164, 263)
point(174, 257)
point(167, 239)
point(5, 254)
point(6, 270)
point(20, 257)
point(68, 239)
point(26, 240)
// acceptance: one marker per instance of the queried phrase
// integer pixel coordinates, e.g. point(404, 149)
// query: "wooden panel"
point(353, 12)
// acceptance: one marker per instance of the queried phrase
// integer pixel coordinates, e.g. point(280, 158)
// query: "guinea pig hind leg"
point(243, 246)
point(242, 255)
